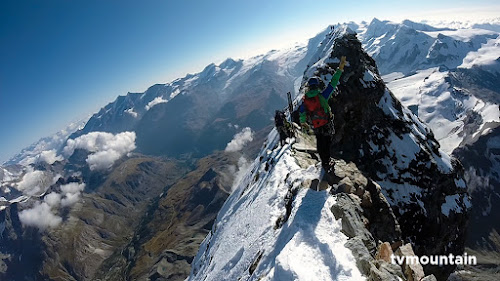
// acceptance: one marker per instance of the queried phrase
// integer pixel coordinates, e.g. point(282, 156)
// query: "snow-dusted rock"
point(415, 272)
point(394, 148)
point(275, 227)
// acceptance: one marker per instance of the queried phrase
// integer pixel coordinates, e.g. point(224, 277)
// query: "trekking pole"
point(290, 105)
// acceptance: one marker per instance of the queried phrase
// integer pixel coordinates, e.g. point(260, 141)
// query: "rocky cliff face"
point(456, 94)
point(280, 224)
point(482, 169)
point(20, 249)
point(391, 184)
point(424, 186)
point(484, 183)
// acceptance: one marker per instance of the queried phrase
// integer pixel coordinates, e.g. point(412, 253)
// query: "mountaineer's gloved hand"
point(342, 63)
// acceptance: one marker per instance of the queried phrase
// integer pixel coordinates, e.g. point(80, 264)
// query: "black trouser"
point(324, 135)
point(283, 134)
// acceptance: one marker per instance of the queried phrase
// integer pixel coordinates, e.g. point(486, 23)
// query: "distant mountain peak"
point(422, 26)
point(228, 63)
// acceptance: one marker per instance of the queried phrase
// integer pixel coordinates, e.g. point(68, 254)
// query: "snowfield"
point(444, 109)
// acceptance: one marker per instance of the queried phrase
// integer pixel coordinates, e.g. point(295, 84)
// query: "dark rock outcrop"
point(392, 147)
point(482, 173)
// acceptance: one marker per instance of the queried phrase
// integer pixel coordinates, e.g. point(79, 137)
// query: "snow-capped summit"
point(228, 63)
point(422, 26)
point(407, 47)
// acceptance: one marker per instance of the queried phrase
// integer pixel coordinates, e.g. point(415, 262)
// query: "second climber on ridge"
point(315, 110)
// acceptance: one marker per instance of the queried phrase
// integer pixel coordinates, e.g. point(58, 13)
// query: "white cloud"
point(40, 216)
point(154, 102)
point(131, 112)
point(239, 140)
point(49, 156)
point(243, 165)
point(103, 159)
point(53, 199)
point(35, 182)
point(106, 148)
point(70, 199)
point(72, 187)
point(43, 214)
point(488, 54)
point(28, 160)
point(72, 193)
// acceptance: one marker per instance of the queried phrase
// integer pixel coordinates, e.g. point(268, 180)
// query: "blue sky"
point(61, 60)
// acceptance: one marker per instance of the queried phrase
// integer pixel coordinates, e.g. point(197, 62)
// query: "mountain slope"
point(201, 112)
point(170, 232)
point(408, 47)
point(482, 172)
point(92, 226)
point(393, 147)
point(458, 97)
point(385, 141)
point(276, 214)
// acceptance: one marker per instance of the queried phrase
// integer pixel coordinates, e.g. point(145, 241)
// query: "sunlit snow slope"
point(246, 244)
point(448, 77)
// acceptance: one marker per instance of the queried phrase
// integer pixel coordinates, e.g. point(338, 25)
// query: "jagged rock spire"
point(393, 147)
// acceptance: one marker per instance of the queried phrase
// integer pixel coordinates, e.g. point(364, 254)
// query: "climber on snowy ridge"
point(283, 127)
point(315, 110)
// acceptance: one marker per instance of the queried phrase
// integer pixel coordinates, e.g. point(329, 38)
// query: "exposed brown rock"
point(413, 271)
point(366, 200)
point(384, 252)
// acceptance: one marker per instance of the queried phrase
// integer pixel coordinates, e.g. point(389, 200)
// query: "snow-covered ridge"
point(407, 47)
point(440, 73)
point(218, 82)
point(444, 108)
point(245, 232)
point(492, 24)
point(487, 57)
point(373, 130)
